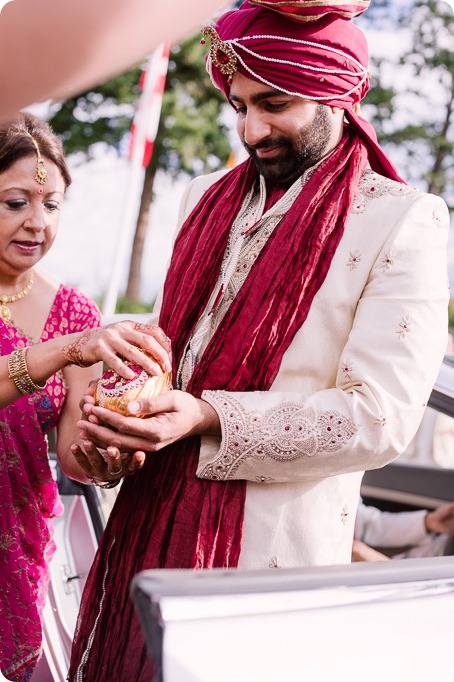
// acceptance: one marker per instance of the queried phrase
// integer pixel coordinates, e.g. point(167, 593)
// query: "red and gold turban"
point(305, 48)
point(310, 10)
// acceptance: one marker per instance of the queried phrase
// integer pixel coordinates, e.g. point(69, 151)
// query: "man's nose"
point(256, 128)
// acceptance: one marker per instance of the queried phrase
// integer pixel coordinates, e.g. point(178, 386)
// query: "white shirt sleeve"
point(387, 529)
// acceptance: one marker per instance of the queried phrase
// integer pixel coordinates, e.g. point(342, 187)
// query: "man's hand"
point(163, 419)
point(441, 519)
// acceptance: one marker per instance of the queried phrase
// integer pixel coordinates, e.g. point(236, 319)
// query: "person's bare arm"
point(362, 552)
point(77, 379)
point(54, 49)
point(112, 344)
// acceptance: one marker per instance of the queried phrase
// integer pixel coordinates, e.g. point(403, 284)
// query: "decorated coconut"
point(114, 392)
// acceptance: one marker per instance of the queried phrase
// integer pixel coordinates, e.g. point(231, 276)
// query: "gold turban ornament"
point(311, 10)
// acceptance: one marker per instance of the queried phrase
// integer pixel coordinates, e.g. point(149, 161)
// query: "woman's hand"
point(117, 342)
point(106, 465)
point(171, 417)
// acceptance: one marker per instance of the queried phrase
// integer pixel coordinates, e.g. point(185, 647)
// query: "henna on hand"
point(73, 351)
point(157, 332)
point(165, 341)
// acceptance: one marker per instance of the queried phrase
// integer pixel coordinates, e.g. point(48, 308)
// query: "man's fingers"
point(128, 442)
point(87, 399)
point(150, 406)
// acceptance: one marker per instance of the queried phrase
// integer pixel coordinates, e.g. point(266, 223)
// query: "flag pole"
point(136, 177)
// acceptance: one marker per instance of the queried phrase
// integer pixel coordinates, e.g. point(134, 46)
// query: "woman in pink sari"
point(50, 344)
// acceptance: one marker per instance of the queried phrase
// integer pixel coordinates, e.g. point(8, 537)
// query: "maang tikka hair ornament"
point(41, 176)
point(221, 54)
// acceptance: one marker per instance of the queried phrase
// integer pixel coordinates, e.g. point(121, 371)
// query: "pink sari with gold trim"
point(28, 493)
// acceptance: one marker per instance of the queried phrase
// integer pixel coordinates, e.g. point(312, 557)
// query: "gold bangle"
point(18, 372)
point(106, 485)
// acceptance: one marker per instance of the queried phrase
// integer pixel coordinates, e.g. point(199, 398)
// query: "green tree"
point(103, 114)
point(411, 103)
point(191, 137)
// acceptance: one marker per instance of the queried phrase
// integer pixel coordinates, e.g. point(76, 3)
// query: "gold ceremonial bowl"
point(114, 393)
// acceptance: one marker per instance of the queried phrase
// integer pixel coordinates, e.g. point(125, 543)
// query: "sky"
point(94, 215)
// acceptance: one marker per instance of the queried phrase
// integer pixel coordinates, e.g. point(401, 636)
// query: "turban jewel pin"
point(221, 54)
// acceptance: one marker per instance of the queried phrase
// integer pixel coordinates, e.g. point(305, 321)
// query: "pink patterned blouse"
point(28, 494)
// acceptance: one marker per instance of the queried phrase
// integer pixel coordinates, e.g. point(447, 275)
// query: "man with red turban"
point(306, 302)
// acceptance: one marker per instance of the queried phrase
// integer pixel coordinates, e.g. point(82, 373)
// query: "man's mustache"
point(266, 144)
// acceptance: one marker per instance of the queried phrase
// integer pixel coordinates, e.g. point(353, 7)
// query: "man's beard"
point(298, 154)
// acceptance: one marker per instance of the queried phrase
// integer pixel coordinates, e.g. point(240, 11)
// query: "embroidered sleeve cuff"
point(263, 445)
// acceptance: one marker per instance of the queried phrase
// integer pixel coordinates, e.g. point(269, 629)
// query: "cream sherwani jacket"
point(352, 386)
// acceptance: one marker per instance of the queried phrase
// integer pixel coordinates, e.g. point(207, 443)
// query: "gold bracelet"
point(18, 372)
point(106, 485)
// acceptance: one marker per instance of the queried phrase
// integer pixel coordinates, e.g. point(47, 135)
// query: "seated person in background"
point(424, 532)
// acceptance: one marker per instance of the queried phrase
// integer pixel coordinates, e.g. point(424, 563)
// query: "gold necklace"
point(5, 312)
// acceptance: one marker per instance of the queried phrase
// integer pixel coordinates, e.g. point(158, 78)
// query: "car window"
point(433, 444)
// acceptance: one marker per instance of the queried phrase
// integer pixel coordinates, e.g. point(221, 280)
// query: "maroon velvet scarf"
point(165, 517)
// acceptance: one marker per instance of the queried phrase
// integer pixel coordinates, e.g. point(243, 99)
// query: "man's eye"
point(240, 110)
point(276, 106)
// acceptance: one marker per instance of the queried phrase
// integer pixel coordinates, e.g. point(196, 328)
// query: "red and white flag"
point(146, 120)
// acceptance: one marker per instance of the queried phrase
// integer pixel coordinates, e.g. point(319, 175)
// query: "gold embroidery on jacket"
point(373, 185)
point(284, 433)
